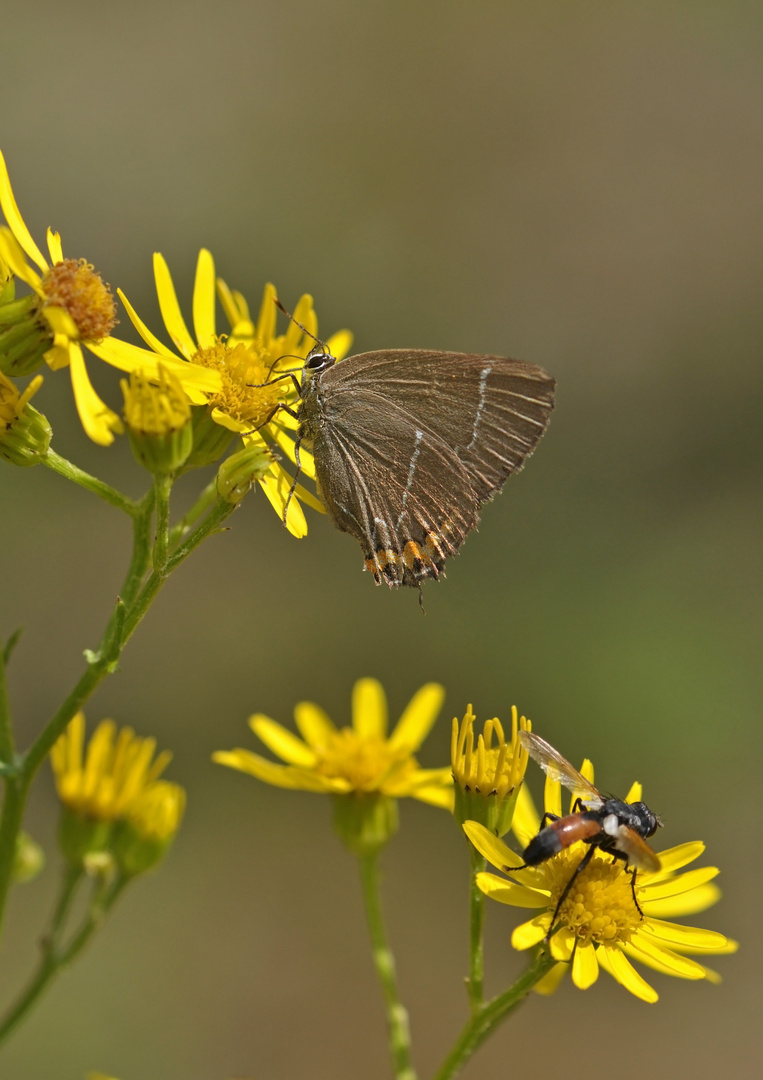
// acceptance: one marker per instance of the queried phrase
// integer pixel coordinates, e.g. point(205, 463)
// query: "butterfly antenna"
point(304, 329)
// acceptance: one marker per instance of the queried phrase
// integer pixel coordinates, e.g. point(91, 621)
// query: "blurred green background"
point(576, 184)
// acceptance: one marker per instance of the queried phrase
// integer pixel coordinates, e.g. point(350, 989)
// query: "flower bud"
point(158, 417)
point(25, 433)
point(238, 472)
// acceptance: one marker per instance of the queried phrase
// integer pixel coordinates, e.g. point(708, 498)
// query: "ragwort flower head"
point(247, 396)
point(363, 766)
point(487, 774)
point(111, 794)
point(598, 925)
point(71, 305)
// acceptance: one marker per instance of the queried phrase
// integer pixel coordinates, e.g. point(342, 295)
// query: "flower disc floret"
point(75, 286)
point(246, 397)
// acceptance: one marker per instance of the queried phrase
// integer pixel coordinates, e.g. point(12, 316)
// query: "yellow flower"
point(112, 796)
point(599, 926)
point(361, 759)
point(72, 300)
point(247, 397)
point(487, 776)
point(116, 769)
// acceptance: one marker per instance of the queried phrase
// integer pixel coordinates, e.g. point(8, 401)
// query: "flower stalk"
point(486, 1019)
point(474, 984)
point(384, 962)
point(56, 955)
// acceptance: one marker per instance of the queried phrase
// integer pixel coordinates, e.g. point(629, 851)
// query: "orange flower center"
point(75, 286)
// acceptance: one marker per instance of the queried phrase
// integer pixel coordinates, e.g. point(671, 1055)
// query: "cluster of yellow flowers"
point(183, 407)
point(602, 923)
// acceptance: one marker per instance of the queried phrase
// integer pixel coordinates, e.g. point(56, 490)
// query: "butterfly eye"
point(318, 358)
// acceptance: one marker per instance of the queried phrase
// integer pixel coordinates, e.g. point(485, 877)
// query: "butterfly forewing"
point(491, 410)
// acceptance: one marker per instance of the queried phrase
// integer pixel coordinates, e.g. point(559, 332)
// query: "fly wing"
point(490, 409)
point(637, 850)
point(399, 489)
point(559, 768)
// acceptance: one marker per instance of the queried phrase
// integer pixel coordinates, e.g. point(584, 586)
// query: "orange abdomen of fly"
point(561, 834)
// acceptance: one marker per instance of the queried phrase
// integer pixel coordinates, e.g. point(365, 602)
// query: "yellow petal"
point(305, 497)
point(418, 717)
point(266, 323)
point(613, 961)
point(634, 794)
point(491, 847)
point(369, 709)
point(563, 944)
point(552, 797)
point(550, 981)
point(286, 442)
point(60, 321)
point(676, 857)
point(434, 796)
point(150, 339)
point(54, 247)
point(204, 300)
point(340, 343)
point(170, 308)
point(303, 313)
point(276, 489)
point(505, 892)
point(684, 937)
point(227, 301)
point(278, 775)
point(526, 823)
point(662, 959)
point(197, 382)
point(690, 903)
point(530, 933)
point(15, 220)
point(282, 742)
point(585, 966)
point(98, 420)
point(681, 883)
point(12, 253)
point(315, 726)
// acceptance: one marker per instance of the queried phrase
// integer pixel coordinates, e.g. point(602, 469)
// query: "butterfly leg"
point(293, 487)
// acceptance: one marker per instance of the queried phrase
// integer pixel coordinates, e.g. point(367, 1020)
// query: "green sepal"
point(365, 822)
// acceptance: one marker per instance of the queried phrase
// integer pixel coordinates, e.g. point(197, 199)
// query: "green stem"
point(91, 483)
point(202, 504)
point(486, 1020)
point(6, 729)
point(162, 489)
point(155, 580)
point(475, 982)
point(54, 958)
point(384, 961)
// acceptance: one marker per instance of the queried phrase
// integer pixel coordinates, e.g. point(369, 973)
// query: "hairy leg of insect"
point(634, 871)
point(581, 866)
point(293, 487)
point(278, 378)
